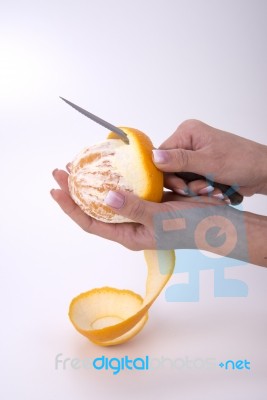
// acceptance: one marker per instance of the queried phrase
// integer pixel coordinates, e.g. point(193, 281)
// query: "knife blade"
point(232, 194)
point(99, 121)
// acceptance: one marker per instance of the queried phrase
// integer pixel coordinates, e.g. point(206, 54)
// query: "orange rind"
point(112, 165)
point(109, 316)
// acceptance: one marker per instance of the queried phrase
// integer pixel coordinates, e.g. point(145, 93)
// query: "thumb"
point(177, 160)
point(132, 207)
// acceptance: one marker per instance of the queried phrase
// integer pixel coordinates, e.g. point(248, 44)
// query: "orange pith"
point(109, 316)
point(114, 165)
point(153, 176)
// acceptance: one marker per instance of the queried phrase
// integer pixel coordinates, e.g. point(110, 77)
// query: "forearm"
point(246, 234)
point(256, 231)
point(262, 166)
point(225, 231)
point(219, 229)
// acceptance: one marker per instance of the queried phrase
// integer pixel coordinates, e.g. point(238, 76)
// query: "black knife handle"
point(235, 197)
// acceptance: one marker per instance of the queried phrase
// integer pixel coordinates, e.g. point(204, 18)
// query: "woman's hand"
point(200, 221)
point(141, 233)
point(226, 158)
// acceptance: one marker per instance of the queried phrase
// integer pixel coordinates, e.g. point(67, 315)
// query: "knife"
point(99, 121)
point(229, 191)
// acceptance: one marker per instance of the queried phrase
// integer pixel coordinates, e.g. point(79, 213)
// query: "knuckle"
point(133, 247)
point(190, 125)
point(181, 159)
point(137, 210)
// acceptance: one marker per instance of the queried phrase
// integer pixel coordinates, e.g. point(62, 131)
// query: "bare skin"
point(194, 147)
point(202, 149)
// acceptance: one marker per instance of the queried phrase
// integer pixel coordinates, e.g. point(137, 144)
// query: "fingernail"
point(182, 192)
point(114, 199)
point(227, 201)
point(55, 171)
point(68, 167)
point(52, 191)
point(206, 190)
point(160, 156)
point(218, 196)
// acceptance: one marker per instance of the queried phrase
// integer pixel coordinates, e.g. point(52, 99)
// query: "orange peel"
point(109, 316)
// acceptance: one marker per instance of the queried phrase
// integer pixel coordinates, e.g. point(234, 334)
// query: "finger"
point(176, 184)
point(68, 167)
point(133, 236)
point(217, 194)
point(143, 212)
point(195, 200)
point(181, 152)
point(178, 160)
point(200, 187)
point(171, 196)
point(88, 224)
point(203, 189)
point(186, 136)
point(227, 200)
point(61, 177)
point(71, 208)
point(132, 207)
point(115, 232)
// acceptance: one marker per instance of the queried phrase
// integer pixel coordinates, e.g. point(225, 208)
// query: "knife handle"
point(235, 197)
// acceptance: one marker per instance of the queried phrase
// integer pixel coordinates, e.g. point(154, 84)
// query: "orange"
point(109, 316)
point(113, 165)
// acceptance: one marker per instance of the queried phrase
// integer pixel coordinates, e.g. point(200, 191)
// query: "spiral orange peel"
point(109, 316)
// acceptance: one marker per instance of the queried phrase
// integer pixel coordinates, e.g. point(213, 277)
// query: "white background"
point(151, 65)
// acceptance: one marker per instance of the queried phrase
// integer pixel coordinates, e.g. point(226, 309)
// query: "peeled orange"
point(112, 165)
point(109, 316)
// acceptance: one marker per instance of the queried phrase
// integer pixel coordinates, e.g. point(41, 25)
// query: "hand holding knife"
point(235, 197)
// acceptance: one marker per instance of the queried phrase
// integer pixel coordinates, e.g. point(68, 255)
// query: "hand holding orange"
point(113, 165)
point(109, 316)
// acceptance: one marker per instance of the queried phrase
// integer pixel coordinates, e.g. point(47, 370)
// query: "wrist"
point(262, 163)
point(256, 231)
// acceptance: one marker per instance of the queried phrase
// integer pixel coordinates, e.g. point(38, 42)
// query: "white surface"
point(150, 65)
